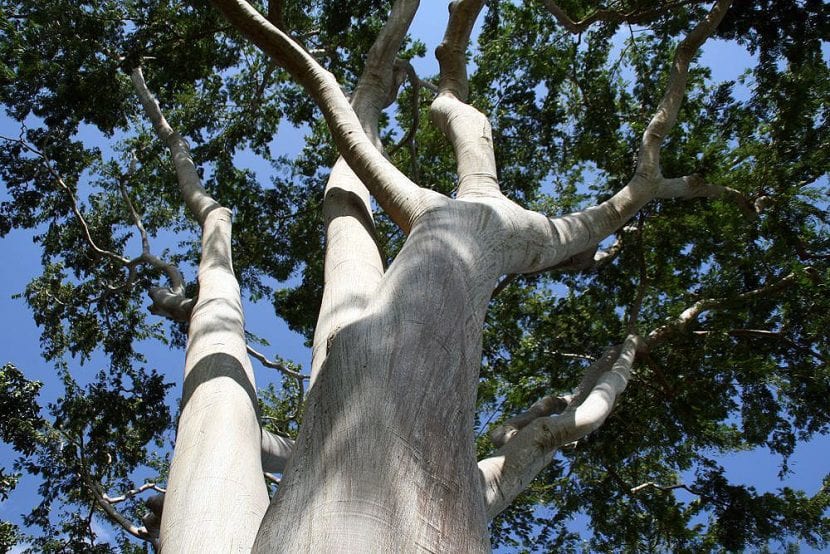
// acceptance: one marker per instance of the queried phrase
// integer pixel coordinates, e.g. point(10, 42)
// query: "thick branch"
point(514, 465)
point(694, 186)
point(276, 451)
point(402, 199)
point(549, 405)
point(580, 231)
point(452, 52)
point(467, 129)
point(377, 87)
point(469, 132)
point(354, 263)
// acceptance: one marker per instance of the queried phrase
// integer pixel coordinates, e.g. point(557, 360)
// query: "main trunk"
point(385, 460)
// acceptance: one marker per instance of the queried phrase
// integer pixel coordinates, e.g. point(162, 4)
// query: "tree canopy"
point(730, 288)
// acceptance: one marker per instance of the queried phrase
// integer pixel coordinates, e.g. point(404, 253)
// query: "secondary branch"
point(402, 199)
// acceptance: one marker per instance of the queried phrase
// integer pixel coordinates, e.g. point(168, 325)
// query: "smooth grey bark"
point(215, 492)
point(215, 495)
point(354, 264)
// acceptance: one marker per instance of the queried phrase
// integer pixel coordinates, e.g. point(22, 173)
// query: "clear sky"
point(19, 339)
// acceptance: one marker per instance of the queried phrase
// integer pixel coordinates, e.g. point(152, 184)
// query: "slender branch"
point(648, 163)
point(198, 201)
point(642, 286)
point(777, 335)
point(274, 364)
point(46, 163)
point(612, 16)
point(171, 270)
point(169, 302)
point(690, 315)
point(107, 507)
point(132, 493)
point(415, 105)
point(665, 488)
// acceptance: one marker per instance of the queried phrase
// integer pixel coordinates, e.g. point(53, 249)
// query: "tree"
point(699, 262)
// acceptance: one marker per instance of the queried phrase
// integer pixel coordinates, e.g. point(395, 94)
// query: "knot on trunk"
point(170, 304)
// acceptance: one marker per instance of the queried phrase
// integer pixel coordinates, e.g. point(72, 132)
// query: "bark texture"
point(216, 495)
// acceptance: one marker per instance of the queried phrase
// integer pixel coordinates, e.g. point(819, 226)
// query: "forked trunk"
point(385, 460)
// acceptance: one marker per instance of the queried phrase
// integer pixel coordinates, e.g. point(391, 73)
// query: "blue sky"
point(19, 337)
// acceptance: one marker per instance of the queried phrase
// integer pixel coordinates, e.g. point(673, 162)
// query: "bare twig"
point(273, 364)
point(690, 315)
point(107, 507)
point(612, 16)
point(133, 492)
point(665, 488)
point(777, 335)
point(47, 165)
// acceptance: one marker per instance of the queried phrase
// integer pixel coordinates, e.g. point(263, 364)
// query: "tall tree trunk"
point(216, 494)
point(385, 460)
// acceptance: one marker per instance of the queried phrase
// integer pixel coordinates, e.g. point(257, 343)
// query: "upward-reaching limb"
point(515, 464)
point(399, 197)
point(353, 264)
point(574, 233)
point(197, 200)
point(217, 455)
point(467, 129)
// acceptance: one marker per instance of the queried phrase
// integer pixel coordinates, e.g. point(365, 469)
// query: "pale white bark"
point(276, 451)
point(549, 405)
point(354, 264)
point(511, 469)
point(452, 52)
point(399, 377)
point(216, 496)
point(514, 465)
point(399, 197)
point(469, 132)
point(197, 200)
point(366, 474)
point(569, 235)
